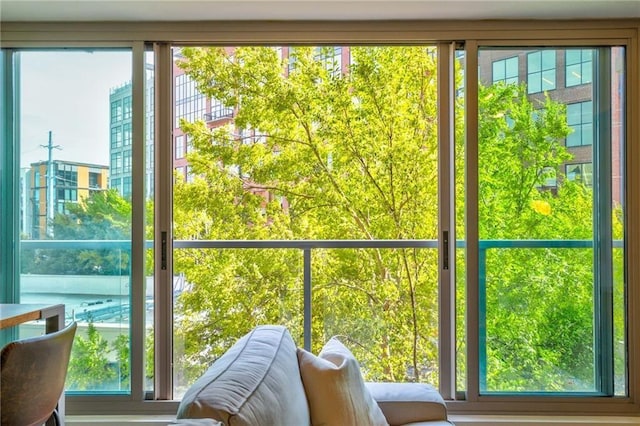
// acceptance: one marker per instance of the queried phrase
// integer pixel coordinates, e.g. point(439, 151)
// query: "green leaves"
point(317, 154)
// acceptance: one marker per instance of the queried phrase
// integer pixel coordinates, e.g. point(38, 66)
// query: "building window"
point(115, 183)
point(579, 65)
point(580, 119)
point(218, 110)
point(116, 137)
point(580, 172)
point(67, 194)
point(126, 186)
point(191, 105)
point(126, 108)
point(116, 111)
point(181, 173)
point(94, 180)
point(66, 175)
point(505, 71)
point(116, 163)
point(126, 159)
point(331, 59)
point(126, 131)
point(179, 146)
point(189, 144)
point(112, 169)
point(541, 71)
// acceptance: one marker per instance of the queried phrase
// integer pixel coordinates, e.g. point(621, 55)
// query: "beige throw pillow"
point(335, 389)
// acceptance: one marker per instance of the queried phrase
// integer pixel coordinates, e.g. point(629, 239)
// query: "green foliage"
point(122, 352)
point(104, 215)
point(89, 364)
point(354, 156)
point(539, 303)
point(99, 364)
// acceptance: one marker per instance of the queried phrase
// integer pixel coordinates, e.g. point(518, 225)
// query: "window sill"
point(460, 420)
point(489, 420)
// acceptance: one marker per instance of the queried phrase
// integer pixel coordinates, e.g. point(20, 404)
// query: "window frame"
point(475, 34)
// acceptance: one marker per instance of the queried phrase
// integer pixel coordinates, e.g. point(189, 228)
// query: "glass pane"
point(618, 186)
point(534, 62)
point(498, 71)
point(573, 56)
point(333, 144)
point(587, 72)
point(549, 80)
point(512, 68)
point(549, 60)
point(76, 227)
point(546, 265)
point(573, 75)
point(534, 83)
point(460, 191)
point(149, 135)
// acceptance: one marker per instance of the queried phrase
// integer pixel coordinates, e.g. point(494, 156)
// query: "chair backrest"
point(33, 375)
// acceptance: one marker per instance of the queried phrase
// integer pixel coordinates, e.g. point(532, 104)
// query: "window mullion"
point(9, 179)
point(163, 235)
point(138, 234)
point(471, 227)
point(9, 182)
point(447, 234)
point(603, 263)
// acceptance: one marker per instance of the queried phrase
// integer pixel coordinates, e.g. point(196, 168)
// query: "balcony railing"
point(121, 308)
point(307, 246)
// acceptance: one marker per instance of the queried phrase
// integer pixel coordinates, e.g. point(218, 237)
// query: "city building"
point(49, 192)
point(566, 76)
point(120, 137)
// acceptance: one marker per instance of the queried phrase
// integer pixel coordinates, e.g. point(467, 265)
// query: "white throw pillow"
point(335, 389)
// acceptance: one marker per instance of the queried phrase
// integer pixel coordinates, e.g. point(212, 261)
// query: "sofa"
point(265, 379)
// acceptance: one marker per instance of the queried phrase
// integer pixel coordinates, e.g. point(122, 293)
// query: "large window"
point(537, 246)
point(456, 232)
point(81, 254)
point(295, 148)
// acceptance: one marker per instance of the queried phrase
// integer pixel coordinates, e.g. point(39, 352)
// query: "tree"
point(104, 215)
point(89, 364)
point(354, 156)
point(537, 337)
point(356, 159)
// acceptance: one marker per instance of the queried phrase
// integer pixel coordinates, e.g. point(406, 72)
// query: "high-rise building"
point(121, 138)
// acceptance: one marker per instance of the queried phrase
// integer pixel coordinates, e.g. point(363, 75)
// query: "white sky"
point(67, 92)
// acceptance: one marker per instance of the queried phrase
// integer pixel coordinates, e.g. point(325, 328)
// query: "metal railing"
point(307, 246)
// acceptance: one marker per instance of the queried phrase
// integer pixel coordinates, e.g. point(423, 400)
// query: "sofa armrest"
point(404, 403)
